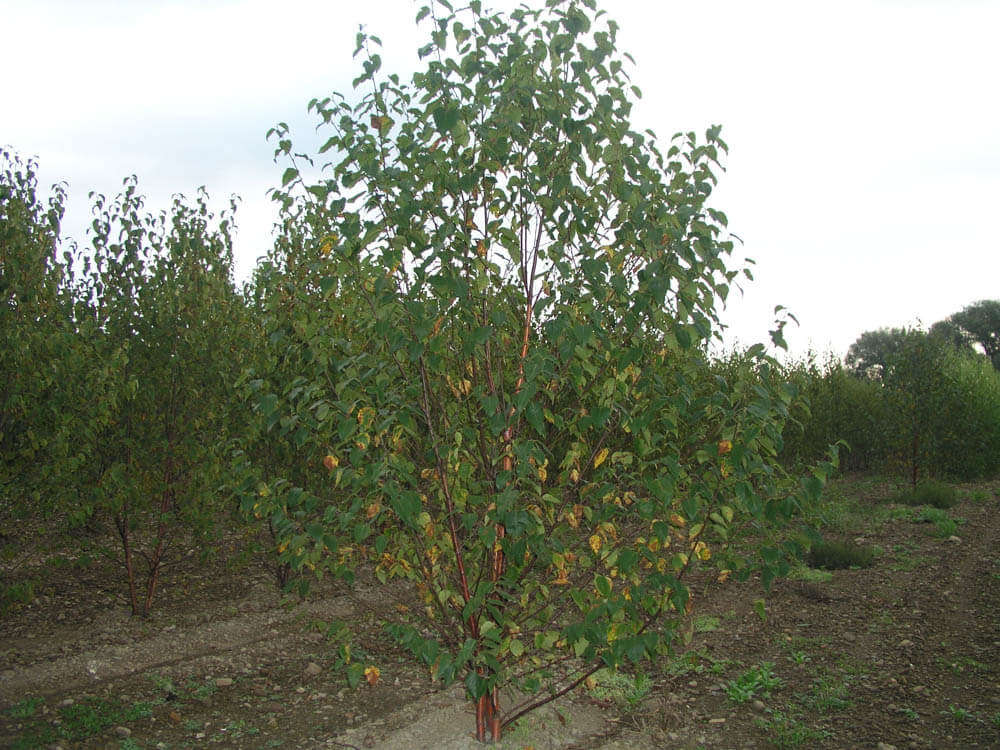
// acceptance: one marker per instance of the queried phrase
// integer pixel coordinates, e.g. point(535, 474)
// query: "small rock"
point(758, 705)
point(313, 669)
point(719, 720)
point(906, 643)
point(123, 732)
point(693, 684)
point(849, 637)
point(223, 681)
point(272, 707)
point(885, 746)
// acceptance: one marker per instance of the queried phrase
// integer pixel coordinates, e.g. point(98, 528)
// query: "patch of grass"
point(841, 555)
point(933, 493)
point(788, 731)
point(958, 714)
point(626, 690)
point(25, 709)
point(944, 525)
point(697, 662)
point(979, 496)
point(963, 664)
point(755, 681)
point(13, 595)
point(812, 575)
point(828, 694)
point(706, 624)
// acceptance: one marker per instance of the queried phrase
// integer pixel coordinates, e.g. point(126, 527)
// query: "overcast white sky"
point(864, 166)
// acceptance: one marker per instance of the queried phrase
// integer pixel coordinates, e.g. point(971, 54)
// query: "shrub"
point(841, 555)
point(933, 493)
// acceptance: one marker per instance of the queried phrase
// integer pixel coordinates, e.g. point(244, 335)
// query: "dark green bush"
point(937, 494)
point(840, 555)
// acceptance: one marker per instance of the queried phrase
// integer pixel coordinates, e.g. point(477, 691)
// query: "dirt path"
point(905, 654)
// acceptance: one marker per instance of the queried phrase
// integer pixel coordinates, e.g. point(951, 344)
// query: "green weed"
point(755, 681)
point(958, 714)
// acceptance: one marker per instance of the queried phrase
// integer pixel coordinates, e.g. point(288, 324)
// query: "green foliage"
point(842, 406)
point(485, 367)
point(759, 680)
point(133, 346)
point(834, 555)
point(33, 321)
point(158, 345)
point(919, 406)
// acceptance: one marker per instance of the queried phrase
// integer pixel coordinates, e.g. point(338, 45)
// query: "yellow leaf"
point(595, 543)
point(677, 520)
point(725, 446)
point(372, 675)
point(600, 457)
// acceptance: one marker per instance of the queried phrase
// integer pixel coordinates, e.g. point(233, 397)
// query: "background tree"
point(33, 317)
point(146, 405)
point(873, 351)
point(978, 323)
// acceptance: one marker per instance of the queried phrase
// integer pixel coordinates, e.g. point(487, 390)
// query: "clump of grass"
point(933, 493)
point(944, 525)
point(626, 690)
point(840, 555)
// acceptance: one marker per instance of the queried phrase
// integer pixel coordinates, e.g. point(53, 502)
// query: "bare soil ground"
point(904, 654)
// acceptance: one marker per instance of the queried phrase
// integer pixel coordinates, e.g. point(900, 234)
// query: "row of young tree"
point(475, 359)
point(909, 402)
